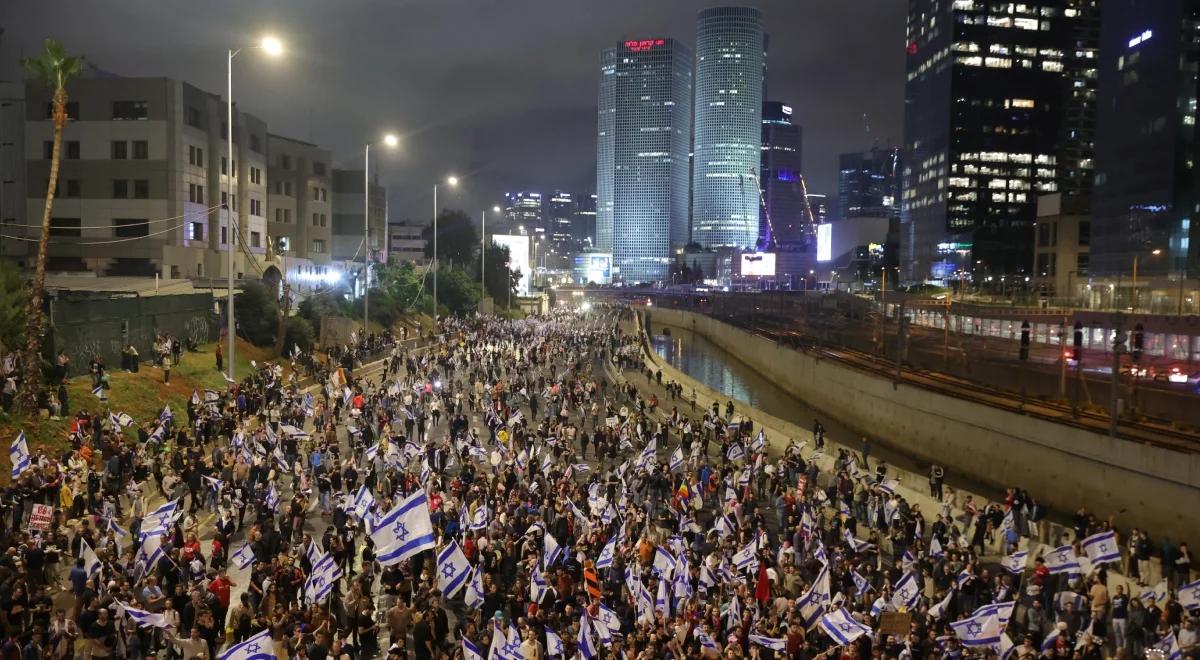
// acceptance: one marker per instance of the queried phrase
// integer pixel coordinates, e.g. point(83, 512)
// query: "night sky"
point(501, 93)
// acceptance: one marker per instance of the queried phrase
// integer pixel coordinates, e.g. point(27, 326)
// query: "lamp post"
point(273, 47)
point(450, 181)
point(1154, 253)
point(389, 141)
point(483, 250)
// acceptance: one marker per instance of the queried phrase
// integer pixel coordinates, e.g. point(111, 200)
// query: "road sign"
point(39, 517)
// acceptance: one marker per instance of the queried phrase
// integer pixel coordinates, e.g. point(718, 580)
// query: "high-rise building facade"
point(606, 126)
point(300, 209)
point(730, 44)
point(1147, 184)
point(869, 184)
point(985, 107)
point(646, 180)
point(347, 220)
point(525, 213)
point(583, 227)
point(784, 220)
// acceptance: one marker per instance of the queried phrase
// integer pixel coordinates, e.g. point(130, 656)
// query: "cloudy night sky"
point(500, 92)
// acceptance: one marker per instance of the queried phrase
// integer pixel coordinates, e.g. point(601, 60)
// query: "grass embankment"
point(141, 395)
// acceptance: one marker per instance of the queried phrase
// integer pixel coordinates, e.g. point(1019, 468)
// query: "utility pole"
point(901, 326)
point(1024, 355)
point(1062, 359)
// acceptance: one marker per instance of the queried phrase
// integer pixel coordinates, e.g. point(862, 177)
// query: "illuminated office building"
point(730, 45)
point(783, 192)
point(987, 101)
point(645, 123)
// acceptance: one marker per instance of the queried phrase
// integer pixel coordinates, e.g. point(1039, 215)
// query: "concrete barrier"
point(1064, 467)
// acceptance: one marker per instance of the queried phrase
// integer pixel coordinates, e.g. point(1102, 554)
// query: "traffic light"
point(1078, 341)
point(1138, 339)
point(1024, 340)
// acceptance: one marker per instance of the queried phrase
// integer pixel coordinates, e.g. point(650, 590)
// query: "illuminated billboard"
point(518, 258)
point(593, 268)
point(758, 264)
point(824, 242)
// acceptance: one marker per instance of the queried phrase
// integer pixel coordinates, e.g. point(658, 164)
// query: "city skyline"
point(474, 126)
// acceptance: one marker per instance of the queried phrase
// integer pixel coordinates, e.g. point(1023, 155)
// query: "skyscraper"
point(985, 106)
point(606, 125)
point(869, 184)
point(524, 213)
point(1147, 185)
point(784, 218)
point(729, 80)
point(645, 182)
point(583, 227)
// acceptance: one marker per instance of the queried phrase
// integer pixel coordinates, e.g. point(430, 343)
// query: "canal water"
point(706, 362)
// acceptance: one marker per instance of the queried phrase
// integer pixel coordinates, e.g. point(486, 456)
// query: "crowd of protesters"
point(595, 520)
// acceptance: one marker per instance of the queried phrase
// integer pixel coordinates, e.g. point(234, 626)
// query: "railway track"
point(1151, 434)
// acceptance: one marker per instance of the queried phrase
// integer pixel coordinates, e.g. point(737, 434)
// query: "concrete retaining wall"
point(1065, 467)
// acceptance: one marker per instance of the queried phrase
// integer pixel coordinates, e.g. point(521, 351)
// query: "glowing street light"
point(451, 181)
point(390, 141)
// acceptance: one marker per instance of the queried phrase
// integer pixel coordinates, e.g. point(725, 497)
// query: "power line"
point(129, 224)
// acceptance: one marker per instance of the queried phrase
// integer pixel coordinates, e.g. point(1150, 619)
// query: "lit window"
point(1025, 23)
point(1022, 103)
point(998, 63)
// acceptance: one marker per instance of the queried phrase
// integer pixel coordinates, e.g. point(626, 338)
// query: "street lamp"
point(390, 141)
point(483, 249)
point(1155, 252)
point(274, 47)
point(451, 181)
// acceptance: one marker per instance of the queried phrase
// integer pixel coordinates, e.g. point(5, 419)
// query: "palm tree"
point(54, 69)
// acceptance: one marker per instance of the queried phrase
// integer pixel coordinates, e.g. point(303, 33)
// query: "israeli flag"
point(733, 614)
point(723, 526)
point(889, 486)
point(908, 591)
point(707, 643)
point(272, 500)
point(1102, 548)
point(1015, 563)
point(18, 453)
point(759, 442)
point(281, 461)
point(664, 562)
point(322, 580)
point(551, 552)
point(662, 601)
point(1061, 560)
point(554, 643)
point(98, 391)
point(470, 651)
point(473, 596)
point(1189, 596)
point(676, 460)
point(842, 628)
point(258, 647)
point(120, 420)
point(537, 585)
point(735, 452)
point(586, 644)
point(91, 563)
point(143, 618)
point(150, 552)
point(939, 610)
point(166, 415)
point(707, 579)
point(774, 643)
point(480, 519)
point(244, 556)
point(1170, 646)
point(212, 482)
point(1158, 592)
point(964, 577)
point(404, 531)
point(609, 621)
point(861, 585)
point(372, 452)
point(363, 501)
point(111, 525)
point(1051, 639)
point(746, 558)
point(977, 631)
point(453, 569)
point(935, 548)
point(605, 560)
point(512, 646)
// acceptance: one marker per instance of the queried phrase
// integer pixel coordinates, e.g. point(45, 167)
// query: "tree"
point(500, 278)
point(457, 291)
point(458, 242)
point(13, 298)
point(257, 314)
point(327, 303)
point(54, 68)
point(400, 289)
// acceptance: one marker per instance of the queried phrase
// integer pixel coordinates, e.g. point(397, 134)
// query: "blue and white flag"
point(166, 415)
point(664, 562)
point(1169, 645)
point(1158, 592)
point(747, 558)
point(723, 526)
point(281, 461)
point(733, 615)
point(977, 631)
point(362, 503)
point(244, 556)
point(143, 618)
point(404, 531)
point(759, 442)
point(1061, 560)
point(1002, 612)
point(610, 623)
point(481, 518)
point(842, 628)
point(774, 643)
point(939, 610)
point(907, 592)
point(213, 482)
point(111, 525)
point(662, 601)
point(676, 460)
point(1051, 640)
point(1189, 596)
point(18, 453)
point(91, 563)
point(453, 569)
point(497, 650)
point(1102, 548)
point(120, 420)
point(861, 585)
point(735, 452)
point(99, 393)
point(707, 643)
point(473, 596)
point(321, 581)
point(935, 548)
point(554, 643)
point(605, 560)
point(1015, 563)
point(272, 499)
point(150, 552)
point(551, 552)
point(371, 452)
point(586, 645)
point(470, 651)
point(258, 647)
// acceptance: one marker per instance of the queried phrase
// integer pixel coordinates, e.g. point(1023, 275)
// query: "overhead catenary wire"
point(128, 224)
point(115, 240)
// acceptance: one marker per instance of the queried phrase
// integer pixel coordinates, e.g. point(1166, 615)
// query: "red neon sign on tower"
point(642, 45)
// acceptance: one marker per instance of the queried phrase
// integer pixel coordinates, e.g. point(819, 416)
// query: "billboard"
point(824, 242)
point(518, 258)
point(758, 264)
point(593, 267)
